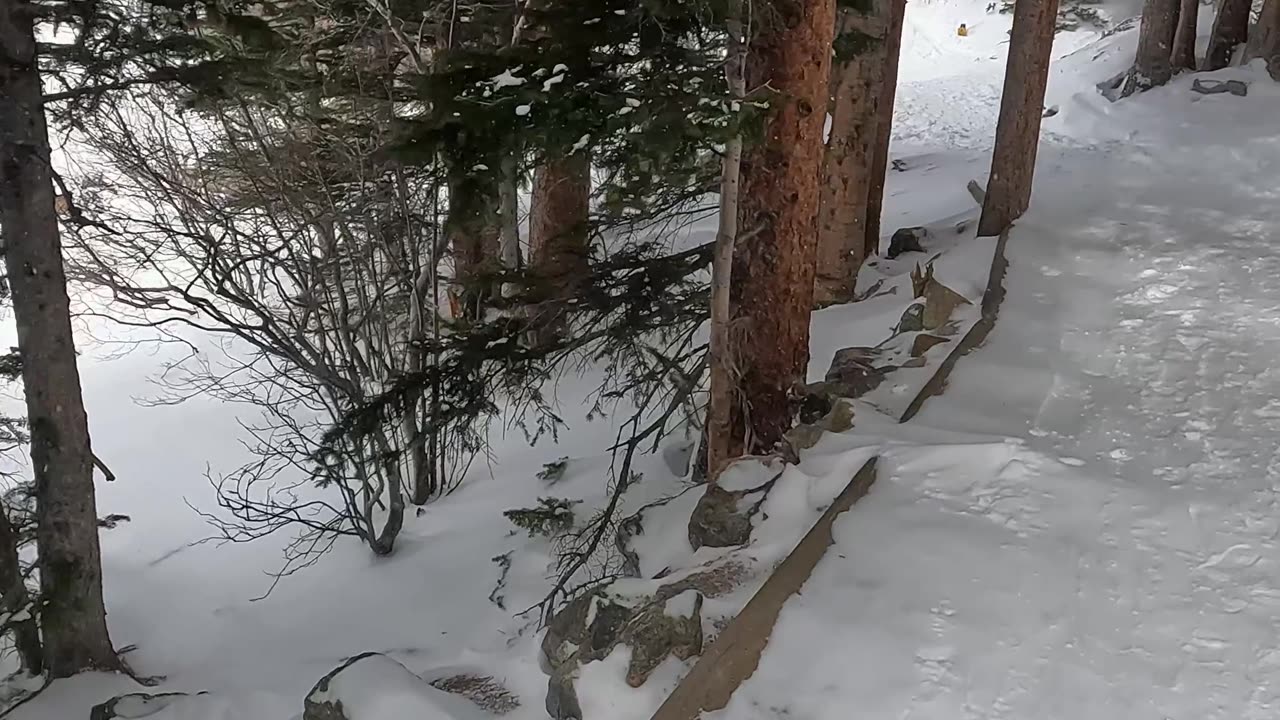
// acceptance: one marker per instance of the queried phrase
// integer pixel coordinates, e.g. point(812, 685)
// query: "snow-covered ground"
point(1084, 526)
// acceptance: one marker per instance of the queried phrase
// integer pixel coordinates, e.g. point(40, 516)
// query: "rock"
point(583, 630)
point(837, 420)
point(590, 626)
point(664, 627)
point(483, 690)
point(1217, 87)
point(922, 342)
point(713, 582)
point(562, 698)
point(852, 373)
point(722, 518)
point(940, 302)
point(912, 319)
point(135, 705)
point(372, 686)
point(906, 240)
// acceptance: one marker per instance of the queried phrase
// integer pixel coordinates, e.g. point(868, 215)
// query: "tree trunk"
point(716, 439)
point(510, 210)
point(73, 618)
point(1184, 39)
point(558, 237)
point(854, 92)
point(1153, 64)
point(1230, 30)
point(474, 230)
point(884, 126)
point(1264, 38)
point(773, 263)
point(16, 601)
point(1013, 162)
point(558, 221)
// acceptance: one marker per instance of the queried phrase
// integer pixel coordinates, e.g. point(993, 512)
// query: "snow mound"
point(375, 687)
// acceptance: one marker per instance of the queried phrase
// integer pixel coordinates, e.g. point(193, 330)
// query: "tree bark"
point(1230, 30)
point(510, 210)
point(717, 438)
point(474, 231)
point(558, 218)
point(1153, 64)
point(559, 246)
point(884, 126)
point(1013, 161)
point(16, 601)
point(1264, 38)
point(1184, 39)
point(854, 93)
point(773, 264)
point(73, 618)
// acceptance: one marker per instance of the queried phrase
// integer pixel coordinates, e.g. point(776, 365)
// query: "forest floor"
point(1084, 525)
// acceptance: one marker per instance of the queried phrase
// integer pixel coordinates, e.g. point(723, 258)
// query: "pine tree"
point(773, 268)
point(73, 617)
point(1013, 161)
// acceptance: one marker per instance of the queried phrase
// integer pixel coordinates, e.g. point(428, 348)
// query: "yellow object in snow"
point(962, 31)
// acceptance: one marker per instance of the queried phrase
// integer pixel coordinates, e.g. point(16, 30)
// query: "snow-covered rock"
point(136, 705)
point(375, 687)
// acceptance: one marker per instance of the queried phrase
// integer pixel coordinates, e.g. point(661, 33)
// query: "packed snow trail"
point(1101, 542)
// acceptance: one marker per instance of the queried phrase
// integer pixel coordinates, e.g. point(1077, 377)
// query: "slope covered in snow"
point(1085, 524)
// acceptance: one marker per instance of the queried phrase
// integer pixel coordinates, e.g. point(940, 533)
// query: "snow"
point(1083, 526)
point(378, 688)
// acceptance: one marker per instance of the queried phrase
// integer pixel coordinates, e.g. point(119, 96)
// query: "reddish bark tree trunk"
point(558, 238)
point(558, 241)
point(884, 126)
point(773, 264)
point(854, 93)
point(1153, 64)
point(1013, 161)
point(1264, 38)
point(72, 616)
point(1184, 39)
point(1230, 30)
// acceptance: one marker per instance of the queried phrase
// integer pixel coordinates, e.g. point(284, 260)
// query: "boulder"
point(939, 302)
point(372, 686)
point(853, 373)
point(923, 342)
point(591, 626)
point(671, 626)
point(837, 420)
point(1217, 87)
point(135, 705)
point(906, 240)
point(722, 518)
point(912, 319)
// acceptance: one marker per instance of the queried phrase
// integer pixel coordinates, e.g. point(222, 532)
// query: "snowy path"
point(1107, 547)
